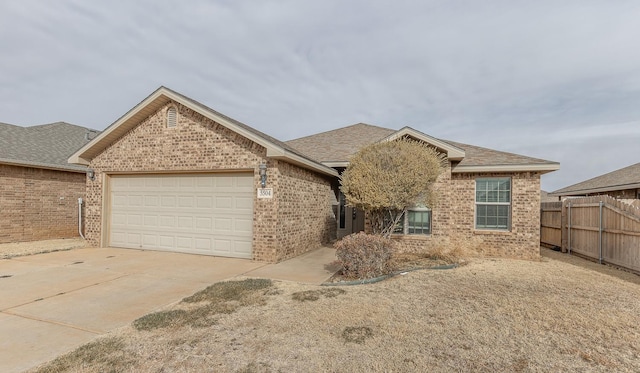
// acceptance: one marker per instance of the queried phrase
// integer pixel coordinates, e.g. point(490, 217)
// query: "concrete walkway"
point(52, 303)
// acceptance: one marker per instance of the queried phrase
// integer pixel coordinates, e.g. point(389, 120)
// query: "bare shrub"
point(364, 255)
point(386, 178)
point(453, 249)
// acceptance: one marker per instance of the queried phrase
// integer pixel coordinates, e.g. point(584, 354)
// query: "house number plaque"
point(265, 192)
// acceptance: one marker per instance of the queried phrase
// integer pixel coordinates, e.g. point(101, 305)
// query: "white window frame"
point(497, 203)
point(405, 222)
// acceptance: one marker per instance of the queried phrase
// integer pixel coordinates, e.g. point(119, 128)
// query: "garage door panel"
point(204, 202)
point(167, 221)
point(151, 201)
point(243, 225)
point(224, 202)
point(244, 203)
point(134, 219)
point(168, 201)
point(205, 213)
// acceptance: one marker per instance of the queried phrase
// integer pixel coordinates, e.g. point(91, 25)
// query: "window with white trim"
point(493, 203)
point(417, 220)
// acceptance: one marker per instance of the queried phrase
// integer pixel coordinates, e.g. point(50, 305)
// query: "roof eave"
point(612, 188)
point(541, 168)
point(44, 166)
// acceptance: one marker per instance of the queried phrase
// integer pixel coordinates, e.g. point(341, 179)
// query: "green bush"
point(364, 255)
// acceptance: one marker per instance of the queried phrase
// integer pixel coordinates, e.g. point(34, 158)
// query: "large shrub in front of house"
point(364, 255)
point(386, 178)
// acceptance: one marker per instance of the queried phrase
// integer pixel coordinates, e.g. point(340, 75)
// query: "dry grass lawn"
point(15, 249)
point(491, 315)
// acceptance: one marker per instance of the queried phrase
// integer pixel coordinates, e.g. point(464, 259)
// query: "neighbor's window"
point(415, 221)
point(493, 203)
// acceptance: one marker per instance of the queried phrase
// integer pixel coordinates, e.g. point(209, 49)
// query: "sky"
point(557, 80)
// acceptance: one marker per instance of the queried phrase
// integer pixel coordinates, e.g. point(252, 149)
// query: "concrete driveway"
point(52, 303)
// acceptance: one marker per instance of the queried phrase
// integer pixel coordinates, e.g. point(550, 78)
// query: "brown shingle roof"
point(340, 144)
point(624, 178)
point(479, 156)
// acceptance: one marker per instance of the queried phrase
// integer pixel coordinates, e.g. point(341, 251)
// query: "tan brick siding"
point(38, 204)
point(304, 209)
point(453, 217)
point(200, 144)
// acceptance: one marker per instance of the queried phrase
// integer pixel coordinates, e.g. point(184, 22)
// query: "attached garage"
point(208, 214)
point(174, 175)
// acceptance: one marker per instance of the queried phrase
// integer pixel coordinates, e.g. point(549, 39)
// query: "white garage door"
point(202, 213)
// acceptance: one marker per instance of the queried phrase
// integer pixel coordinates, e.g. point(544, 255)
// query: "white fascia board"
point(335, 164)
point(453, 153)
point(290, 157)
point(508, 168)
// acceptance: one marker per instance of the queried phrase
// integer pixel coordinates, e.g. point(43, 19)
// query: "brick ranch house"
point(39, 190)
point(175, 175)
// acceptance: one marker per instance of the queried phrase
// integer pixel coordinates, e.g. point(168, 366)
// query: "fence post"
point(600, 233)
point(569, 227)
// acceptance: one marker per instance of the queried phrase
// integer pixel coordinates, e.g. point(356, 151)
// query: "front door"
point(350, 219)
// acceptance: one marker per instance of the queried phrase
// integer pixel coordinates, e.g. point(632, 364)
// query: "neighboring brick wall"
point(38, 204)
point(454, 217)
point(200, 144)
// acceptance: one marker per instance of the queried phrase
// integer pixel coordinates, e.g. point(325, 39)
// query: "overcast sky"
point(558, 80)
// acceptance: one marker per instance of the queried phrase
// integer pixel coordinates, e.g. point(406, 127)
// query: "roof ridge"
point(343, 128)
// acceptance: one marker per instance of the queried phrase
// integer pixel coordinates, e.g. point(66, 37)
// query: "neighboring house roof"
point(622, 179)
point(336, 147)
point(275, 149)
point(545, 197)
point(44, 146)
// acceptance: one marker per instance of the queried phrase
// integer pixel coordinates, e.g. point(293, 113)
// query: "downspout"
point(80, 217)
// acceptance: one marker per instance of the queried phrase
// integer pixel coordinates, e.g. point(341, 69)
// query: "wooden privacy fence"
point(599, 227)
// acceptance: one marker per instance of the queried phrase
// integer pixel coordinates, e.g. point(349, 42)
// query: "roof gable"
point(275, 148)
point(621, 179)
point(334, 148)
point(43, 146)
point(453, 152)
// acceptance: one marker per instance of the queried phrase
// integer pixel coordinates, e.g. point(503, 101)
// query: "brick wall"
point(304, 209)
point(453, 217)
point(38, 204)
point(287, 225)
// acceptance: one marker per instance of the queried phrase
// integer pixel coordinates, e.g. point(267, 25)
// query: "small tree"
point(385, 179)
